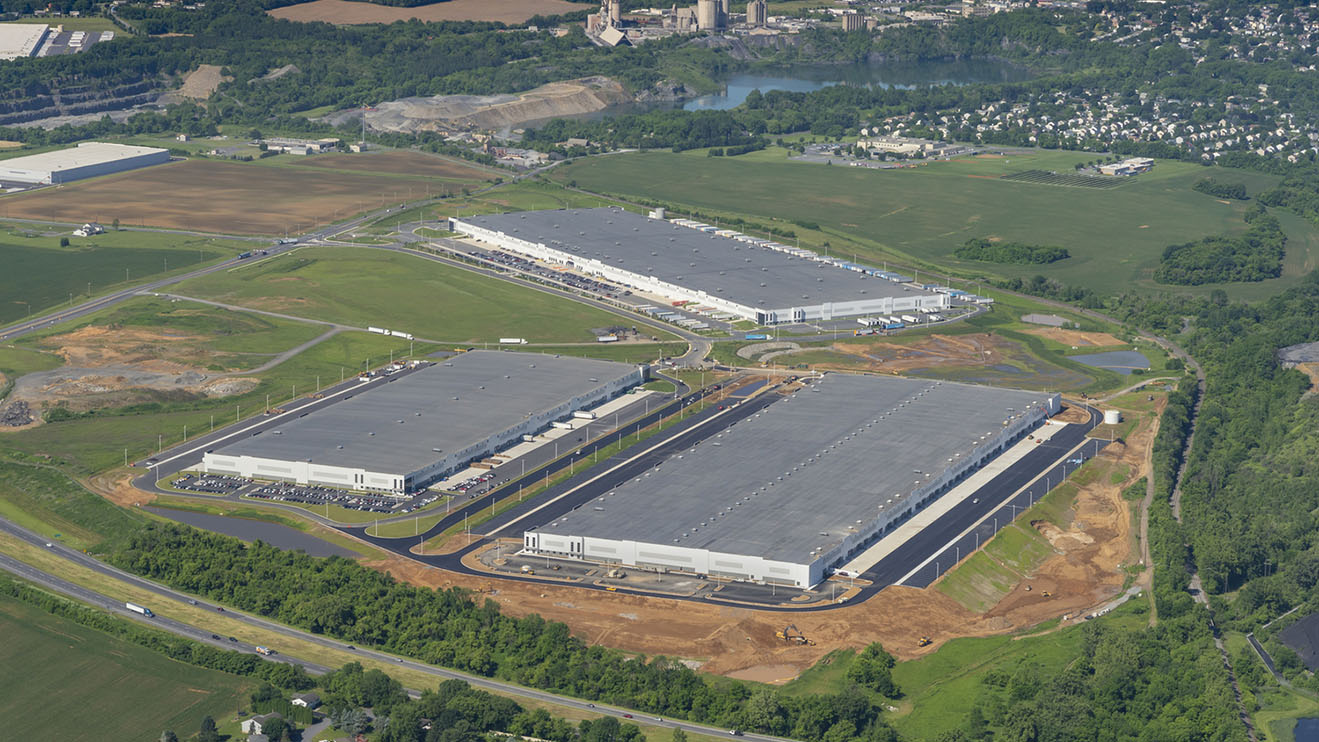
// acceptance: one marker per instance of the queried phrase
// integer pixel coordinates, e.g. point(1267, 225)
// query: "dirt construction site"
point(1090, 544)
point(107, 367)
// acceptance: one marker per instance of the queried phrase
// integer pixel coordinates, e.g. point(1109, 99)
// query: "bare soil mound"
point(466, 112)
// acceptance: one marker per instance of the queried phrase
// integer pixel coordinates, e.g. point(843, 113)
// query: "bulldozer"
point(924, 641)
point(791, 633)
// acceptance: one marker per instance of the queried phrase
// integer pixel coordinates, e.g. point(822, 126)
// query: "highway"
point(167, 595)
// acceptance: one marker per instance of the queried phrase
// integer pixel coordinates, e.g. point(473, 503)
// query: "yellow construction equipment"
point(924, 641)
point(1047, 594)
point(791, 633)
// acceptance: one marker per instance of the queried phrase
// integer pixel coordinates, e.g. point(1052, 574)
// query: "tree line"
point(340, 598)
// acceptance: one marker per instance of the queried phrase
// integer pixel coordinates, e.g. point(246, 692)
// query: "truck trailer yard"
point(802, 486)
point(403, 435)
point(746, 279)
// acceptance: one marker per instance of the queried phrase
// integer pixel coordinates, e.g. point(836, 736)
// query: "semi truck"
point(267, 651)
point(404, 335)
point(757, 336)
point(583, 415)
point(378, 330)
point(512, 341)
point(134, 607)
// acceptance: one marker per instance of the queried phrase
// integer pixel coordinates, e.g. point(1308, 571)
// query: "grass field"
point(626, 352)
point(48, 502)
point(40, 274)
point(402, 292)
point(920, 215)
point(218, 196)
point(219, 623)
point(123, 691)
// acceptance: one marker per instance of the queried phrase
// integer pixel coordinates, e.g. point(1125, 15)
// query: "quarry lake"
point(805, 79)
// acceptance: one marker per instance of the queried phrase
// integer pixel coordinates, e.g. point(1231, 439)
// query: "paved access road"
point(168, 595)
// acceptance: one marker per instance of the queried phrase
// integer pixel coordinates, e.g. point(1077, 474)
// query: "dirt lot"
point(201, 82)
point(401, 163)
point(224, 197)
point(345, 12)
point(105, 367)
point(740, 642)
point(1075, 337)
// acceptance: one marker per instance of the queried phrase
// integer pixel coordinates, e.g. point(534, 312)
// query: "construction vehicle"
point(1047, 594)
point(791, 633)
point(615, 573)
point(924, 641)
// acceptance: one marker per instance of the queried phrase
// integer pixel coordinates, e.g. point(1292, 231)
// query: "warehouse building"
point(403, 435)
point(799, 488)
point(19, 40)
point(679, 263)
point(87, 160)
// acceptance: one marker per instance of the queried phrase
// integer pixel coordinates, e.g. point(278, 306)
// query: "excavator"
point(924, 641)
point(791, 633)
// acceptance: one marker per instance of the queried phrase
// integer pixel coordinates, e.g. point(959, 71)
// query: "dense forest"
point(1253, 256)
point(1016, 253)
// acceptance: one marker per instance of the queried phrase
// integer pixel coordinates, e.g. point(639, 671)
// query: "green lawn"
point(39, 274)
point(57, 507)
point(978, 582)
point(120, 690)
point(401, 292)
point(625, 352)
point(922, 214)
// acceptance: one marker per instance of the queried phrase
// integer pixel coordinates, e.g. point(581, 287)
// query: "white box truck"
point(134, 607)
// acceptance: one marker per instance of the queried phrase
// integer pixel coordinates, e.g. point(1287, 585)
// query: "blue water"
point(1307, 730)
point(884, 75)
point(1121, 361)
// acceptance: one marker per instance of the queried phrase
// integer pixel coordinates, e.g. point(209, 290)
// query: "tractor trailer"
point(134, 607)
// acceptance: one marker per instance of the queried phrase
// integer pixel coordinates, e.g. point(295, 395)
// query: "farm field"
point(920, 215)
point(40, 274)
point(401, 292)
point(348, 13)
point(126, 692)
point(214, 196)
point(396, 162)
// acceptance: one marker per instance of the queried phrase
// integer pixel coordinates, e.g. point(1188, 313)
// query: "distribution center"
point(87, 160)
point(403, 435)
point(652, 255)
point(796, 489)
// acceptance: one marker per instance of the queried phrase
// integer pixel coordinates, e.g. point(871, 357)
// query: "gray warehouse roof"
point(797, 475)
point(719, 266)
point(395, 427)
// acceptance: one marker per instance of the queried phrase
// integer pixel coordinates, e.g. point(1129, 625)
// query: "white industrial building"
point(87, 160)
point(19, 40)
point(405, 434)
point(803, 486)
point(747, 280)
